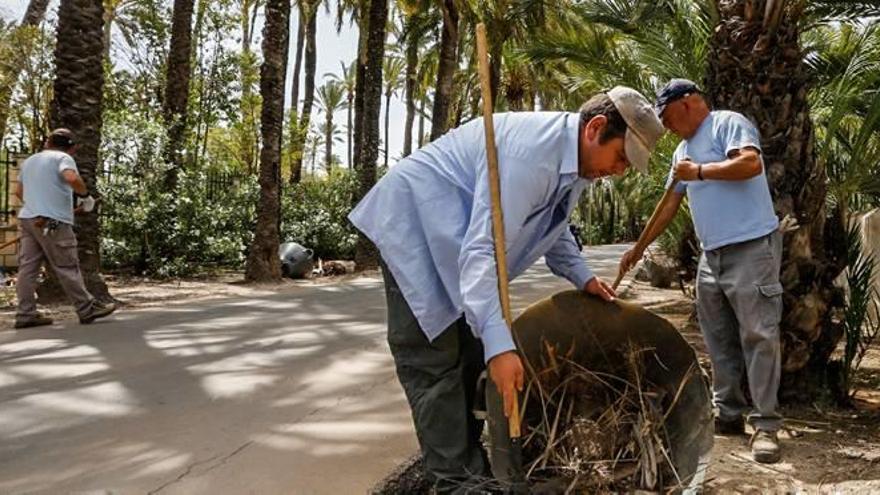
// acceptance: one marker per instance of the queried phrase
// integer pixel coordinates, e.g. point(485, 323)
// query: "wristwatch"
point(700, 171)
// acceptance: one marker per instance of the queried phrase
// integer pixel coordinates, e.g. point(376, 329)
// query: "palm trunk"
point(756, 67)
point(446, 69)
point(387, 122)
point(177, 88)
point(350, 129)
point(309, 98)
point(294, 94)
point(412, 62)
point(422, 122)
point(328, 144)
point(366, 256)
point(33, 16)
point(263, 263)
point(77, 105)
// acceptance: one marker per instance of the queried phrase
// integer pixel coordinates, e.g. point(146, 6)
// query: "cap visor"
point(636, 152)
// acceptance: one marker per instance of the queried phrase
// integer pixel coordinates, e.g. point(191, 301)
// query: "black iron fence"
point(8, 168)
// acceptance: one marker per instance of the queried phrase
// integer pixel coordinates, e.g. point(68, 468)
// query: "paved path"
point(293, 392)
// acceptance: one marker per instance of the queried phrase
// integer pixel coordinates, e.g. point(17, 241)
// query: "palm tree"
point(177, 87)
point(446, 68)
point(392, 71)
point(330, 99)
point(248, 138)
point(368, 103)
point(347, 81)
point(263, 263)
point(309, 17)
point(77, 104)
point(32, 18)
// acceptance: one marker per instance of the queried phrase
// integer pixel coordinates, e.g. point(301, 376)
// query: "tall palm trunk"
point(387, 123)
point(369, 85)
point(309, 96)
point(350, 129)
point(294, 93)
point(263, 263)
point(33, 16)
point(248, 142)
point(77, 105)
point(177, 88)
point(412, 62)
point(421, 121)
point(445, 69)
point(756, 67)
point(328, 142)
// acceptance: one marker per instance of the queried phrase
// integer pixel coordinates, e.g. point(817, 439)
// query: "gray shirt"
point(46, 193)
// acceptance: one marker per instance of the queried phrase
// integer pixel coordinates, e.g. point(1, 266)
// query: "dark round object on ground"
point(296, 260)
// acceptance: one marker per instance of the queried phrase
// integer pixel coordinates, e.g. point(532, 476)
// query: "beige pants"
point(58, 249)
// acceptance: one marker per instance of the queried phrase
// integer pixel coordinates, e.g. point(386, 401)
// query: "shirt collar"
point(570, 143)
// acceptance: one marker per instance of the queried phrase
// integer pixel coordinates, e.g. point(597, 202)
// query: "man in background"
point(46, 185)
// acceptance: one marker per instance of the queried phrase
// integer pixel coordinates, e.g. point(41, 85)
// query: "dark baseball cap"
point(62, 138)
point(674, 90)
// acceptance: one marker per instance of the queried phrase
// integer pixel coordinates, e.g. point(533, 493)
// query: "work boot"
point(32, 321)
point(95, 311)
point(727, 427)
point(765, 447)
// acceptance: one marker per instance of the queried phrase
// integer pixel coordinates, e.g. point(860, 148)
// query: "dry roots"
point(598, 431)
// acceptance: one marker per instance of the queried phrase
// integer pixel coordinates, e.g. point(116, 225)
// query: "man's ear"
point(595, 126)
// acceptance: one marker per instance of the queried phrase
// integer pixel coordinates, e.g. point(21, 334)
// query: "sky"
point(332, 48)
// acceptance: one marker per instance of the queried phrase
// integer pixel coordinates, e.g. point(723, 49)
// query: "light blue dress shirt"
point(725, 212)
point(431, 219)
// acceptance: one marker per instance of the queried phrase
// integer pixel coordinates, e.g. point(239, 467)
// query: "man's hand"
point(629, 260)
point(599, 287)
point(85, 205)
point(506, 371)
point(686, 170)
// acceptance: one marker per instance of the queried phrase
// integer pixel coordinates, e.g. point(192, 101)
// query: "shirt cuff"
point(496, 339)
point(580, 275)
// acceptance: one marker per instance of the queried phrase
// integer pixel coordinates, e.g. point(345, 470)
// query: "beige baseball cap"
point(643, 128)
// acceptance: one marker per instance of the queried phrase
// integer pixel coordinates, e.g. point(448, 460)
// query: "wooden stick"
point(3, 246)
point(642, 243)
point(495, 193)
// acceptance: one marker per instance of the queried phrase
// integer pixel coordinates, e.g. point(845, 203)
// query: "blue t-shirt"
point(46, 193)
point(725, 211)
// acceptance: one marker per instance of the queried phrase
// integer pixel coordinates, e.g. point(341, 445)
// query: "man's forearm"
point(741, 167)
point(664, 217)
point(80, 187)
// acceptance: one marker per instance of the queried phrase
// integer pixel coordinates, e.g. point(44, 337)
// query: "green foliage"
point(164, 233)
point(861, 323)
point(314, 215)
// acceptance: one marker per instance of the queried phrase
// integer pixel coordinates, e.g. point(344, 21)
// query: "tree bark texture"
point(77, 105)
point(263, 262)
point(177, 79)
point(446, 69)
point(294, 96)
point(412, 63)
point(311, 60)
point(366, 255)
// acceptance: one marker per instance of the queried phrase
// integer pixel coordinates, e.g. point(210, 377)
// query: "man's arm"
point(742, 164)
point(19, 191)
point(565, 260)
point(664, 215)
point(75, 181)
point(524, 186)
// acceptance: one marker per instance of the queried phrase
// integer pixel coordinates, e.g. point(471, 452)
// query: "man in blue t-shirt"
point(719, 166)
point(47, 183)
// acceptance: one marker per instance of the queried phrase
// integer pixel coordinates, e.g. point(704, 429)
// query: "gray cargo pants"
point(439, 379)
point(739, 305)
point(58, 249)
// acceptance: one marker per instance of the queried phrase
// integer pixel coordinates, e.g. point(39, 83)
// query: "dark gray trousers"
point(439, 379)
point(739, 305)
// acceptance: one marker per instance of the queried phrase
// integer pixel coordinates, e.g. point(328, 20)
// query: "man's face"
point(601, 159)
point(675, 118)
